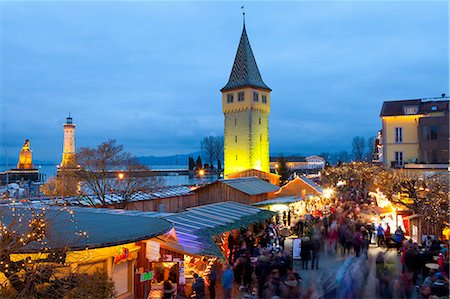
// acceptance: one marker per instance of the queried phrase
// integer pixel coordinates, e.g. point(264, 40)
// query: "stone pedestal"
point(25, 160)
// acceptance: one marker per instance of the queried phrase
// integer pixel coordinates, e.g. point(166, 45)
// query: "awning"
point(382, 211)
point(196, 226)
point(286, 200)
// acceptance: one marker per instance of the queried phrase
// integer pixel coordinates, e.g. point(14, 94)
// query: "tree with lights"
point(425, 196)
point(355, 177)
point(283, 170)
point(38, 274)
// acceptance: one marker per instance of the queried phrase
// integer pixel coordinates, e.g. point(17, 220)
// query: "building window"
point(398, 135)
point(398, 158)
point(235, 138)
point(425, 133)
point(230, 98)
point(433, 108)
point(260, 137)
point(235, 121)
point(430, 133)
point(240, 96)
point(260, 120)
point(433, 133)
point(410, 110)
point(236, 157)
point(264, 98)
point(255, 96)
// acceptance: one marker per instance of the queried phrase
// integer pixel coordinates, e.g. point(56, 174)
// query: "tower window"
point(230, 98)
point(236, 157)
point(260, 137)
point(260, 120)
point(264, 98)
point(255, 96)
point(235, 138)
point(235, 121)
point(240, 96)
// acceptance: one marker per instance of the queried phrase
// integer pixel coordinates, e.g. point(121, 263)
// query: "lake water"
point(170, 180)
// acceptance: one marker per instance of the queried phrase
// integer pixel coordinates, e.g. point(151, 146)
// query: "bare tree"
point(109, 169)
point(218, 150)
point(212, 148)
point(207, 147)
point(358, 147)
point(371, 149)
point(64, 184)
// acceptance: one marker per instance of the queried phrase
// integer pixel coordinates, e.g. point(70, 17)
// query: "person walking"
point(398, 238)
point(387, 233)
point(305, 253)
point(315, 249)
point(227, 282)
point(168, 289)
point(198, 287)
point(380, 235)
point(212, 281)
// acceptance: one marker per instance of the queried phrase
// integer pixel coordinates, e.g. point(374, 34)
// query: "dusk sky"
point(149, 73)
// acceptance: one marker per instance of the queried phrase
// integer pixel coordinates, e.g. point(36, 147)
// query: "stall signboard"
point(182, 278)
point(152, 251)
point(167, 257)
point(296, 248)
point(146, 276)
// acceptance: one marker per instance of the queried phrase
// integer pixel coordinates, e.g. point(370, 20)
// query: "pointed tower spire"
point(245, 71)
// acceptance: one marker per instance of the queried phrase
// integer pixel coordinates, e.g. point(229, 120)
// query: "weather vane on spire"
point(243, 13)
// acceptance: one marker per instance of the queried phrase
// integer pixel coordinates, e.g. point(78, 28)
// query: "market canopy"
point(286, 200)
point(196, 226)
point(83, 228)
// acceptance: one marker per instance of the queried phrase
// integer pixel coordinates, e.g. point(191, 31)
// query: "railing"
point(397, 164)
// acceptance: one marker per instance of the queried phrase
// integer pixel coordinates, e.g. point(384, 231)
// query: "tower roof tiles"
point(245, 71)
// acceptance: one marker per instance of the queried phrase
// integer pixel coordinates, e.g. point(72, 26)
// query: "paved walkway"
point(329, 265)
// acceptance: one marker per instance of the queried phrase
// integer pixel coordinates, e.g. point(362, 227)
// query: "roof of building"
point(80, 228)
point(113, 198)
point(285, 200)
point(311, 183)
point(289, 159)
point(196, 226)
point(245, 71)
point(396, 108)
point(251, 185)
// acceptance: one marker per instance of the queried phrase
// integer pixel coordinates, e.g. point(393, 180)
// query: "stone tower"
point(246, 106)
point(68, 156)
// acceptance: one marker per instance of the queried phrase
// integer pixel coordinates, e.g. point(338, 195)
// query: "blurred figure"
point(291, 288)
point(398, 238)
point(227, 281)
point(315, 249)
point(212, 281)
point(169, 290)
point(380, 235)
point(198, 287)
point(305, 253)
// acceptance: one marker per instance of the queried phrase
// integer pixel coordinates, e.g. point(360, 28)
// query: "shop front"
point(200, 243)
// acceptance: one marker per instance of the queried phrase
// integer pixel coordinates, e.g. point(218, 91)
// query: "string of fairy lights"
point(21, 225)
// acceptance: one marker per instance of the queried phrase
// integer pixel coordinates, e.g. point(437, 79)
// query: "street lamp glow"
point(121, 175)
point(327, 193)
point(201, 172)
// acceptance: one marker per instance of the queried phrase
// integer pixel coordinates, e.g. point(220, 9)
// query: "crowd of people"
point(259, 266)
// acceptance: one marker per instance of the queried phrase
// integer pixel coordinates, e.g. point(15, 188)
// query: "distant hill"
point(168, 160)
